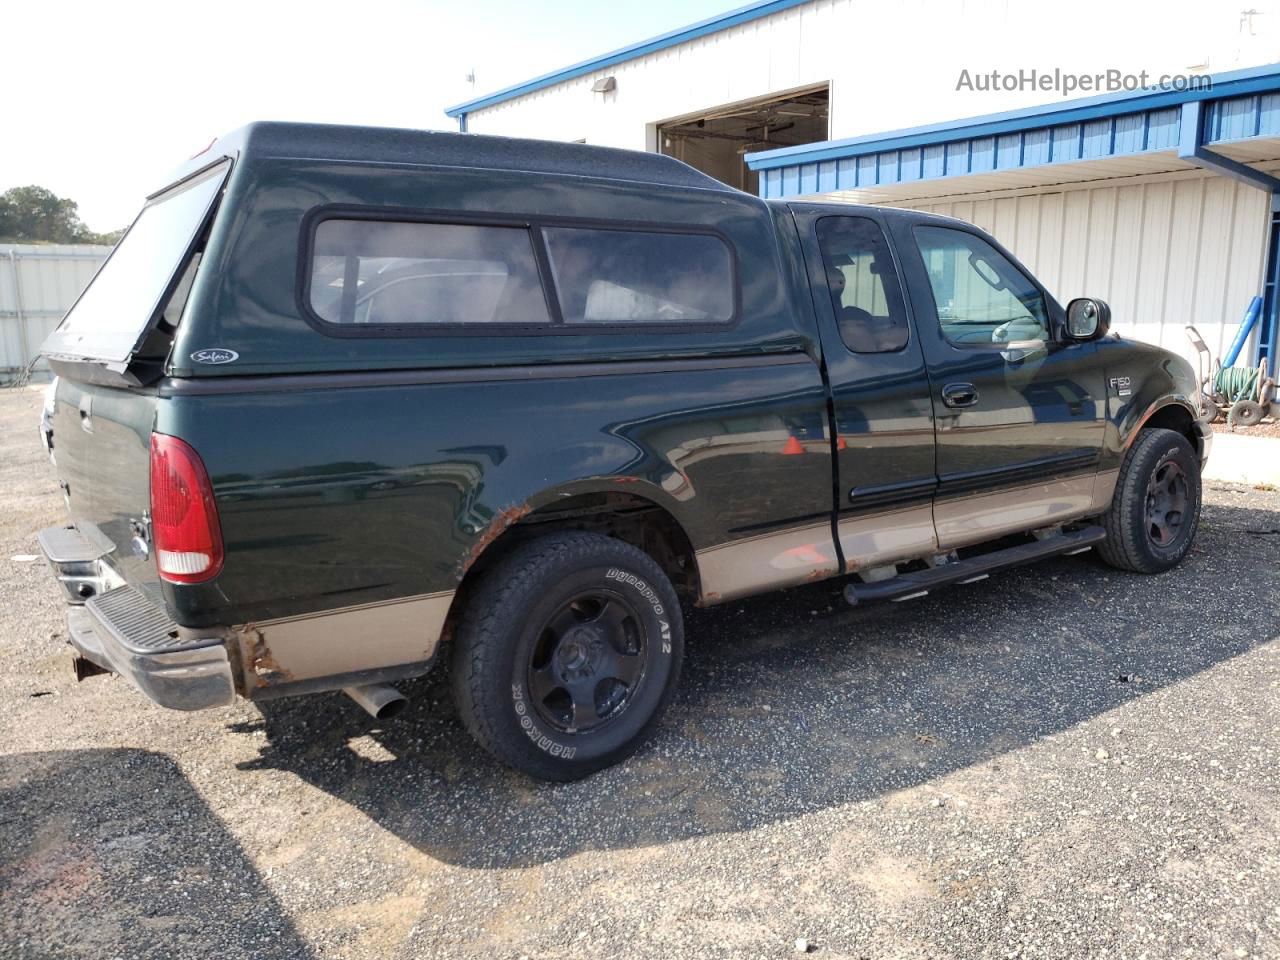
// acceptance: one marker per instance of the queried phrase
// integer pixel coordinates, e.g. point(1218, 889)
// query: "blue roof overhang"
point(723, 21)
point(1087, 139)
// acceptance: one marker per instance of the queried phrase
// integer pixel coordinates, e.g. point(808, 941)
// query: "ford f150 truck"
point(344, 402)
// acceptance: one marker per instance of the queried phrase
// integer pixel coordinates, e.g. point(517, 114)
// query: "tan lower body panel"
point(897, 535)
point(985, 516)
point(804, 555)
point(767, 562)
point(784, 559)
point(1104, 488)
point(347, 640)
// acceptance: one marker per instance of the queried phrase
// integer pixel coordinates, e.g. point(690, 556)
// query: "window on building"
point(981, 297)
point(628, 276)
point(863, 282)
point(379, 273)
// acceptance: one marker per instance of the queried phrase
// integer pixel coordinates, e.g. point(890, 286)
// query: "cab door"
point(879, 386)
point(1019, 414)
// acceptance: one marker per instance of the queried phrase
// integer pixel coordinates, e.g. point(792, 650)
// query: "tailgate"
point(101, 438)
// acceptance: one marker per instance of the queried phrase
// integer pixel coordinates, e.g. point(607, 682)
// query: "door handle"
point(959, 395)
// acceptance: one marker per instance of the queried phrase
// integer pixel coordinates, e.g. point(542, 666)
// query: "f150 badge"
point(215, 355)
point(1121, 386)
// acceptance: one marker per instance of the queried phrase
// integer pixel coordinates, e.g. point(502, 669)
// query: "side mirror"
point(1088, 319)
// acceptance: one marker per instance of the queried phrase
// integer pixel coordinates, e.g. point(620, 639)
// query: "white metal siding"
point(862, 49)
point(1164, 251)
point(33, 297)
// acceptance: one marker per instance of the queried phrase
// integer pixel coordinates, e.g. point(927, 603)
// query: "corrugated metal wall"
point(858, 48)
point(38, 284)
point(1164, 251)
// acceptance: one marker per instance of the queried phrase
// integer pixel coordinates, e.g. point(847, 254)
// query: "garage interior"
point(717, 140)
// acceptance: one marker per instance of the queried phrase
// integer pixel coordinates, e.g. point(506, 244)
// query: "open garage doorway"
point(716, 140)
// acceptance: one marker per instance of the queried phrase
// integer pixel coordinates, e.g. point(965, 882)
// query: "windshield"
point(112, 314)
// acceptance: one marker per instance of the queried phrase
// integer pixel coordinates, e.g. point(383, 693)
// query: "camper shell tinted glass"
point(387, 273)
point(408, 273)
point(134, 284)
point(631, 276)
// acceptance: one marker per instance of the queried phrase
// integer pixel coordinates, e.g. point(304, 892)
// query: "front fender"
point(1145, 382)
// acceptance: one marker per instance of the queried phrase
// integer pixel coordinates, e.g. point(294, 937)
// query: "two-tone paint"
point(361, 480)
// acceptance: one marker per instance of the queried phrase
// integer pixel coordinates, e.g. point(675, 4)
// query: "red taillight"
point(184, 519)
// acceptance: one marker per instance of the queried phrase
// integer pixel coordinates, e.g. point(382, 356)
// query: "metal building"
point(1158, 199)
point(38, 284)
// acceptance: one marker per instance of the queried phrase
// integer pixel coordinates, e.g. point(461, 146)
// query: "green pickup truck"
point(344, 402)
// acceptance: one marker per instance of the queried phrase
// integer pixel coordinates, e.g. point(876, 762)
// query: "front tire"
point(567, 655)
point(1155, 511)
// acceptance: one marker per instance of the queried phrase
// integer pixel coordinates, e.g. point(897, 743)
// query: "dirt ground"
point(1267, 428)
point(1059, 762)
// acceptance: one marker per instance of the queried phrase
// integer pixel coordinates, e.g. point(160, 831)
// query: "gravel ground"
point(1060, 761)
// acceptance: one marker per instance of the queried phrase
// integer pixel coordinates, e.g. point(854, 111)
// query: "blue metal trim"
point(1267, 348)
point(1191, 148)
point(1240, 118)
point(1105, 107)
point(723, 21)
point(462, 123)
point(1145, 132)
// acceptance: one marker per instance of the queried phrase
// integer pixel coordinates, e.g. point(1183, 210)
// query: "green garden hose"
point(1235, 384)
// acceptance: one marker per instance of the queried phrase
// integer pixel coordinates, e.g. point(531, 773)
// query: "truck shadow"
point(112, 853)
point(794, 702)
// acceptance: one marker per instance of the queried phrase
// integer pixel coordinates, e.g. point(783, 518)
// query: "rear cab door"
point(1019, 412)
point(879, 387)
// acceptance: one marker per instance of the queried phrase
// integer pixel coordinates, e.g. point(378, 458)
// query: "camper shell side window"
point(399, 273)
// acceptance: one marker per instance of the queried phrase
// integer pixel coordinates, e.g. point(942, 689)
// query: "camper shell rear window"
point(137, 281)
point(377, 273)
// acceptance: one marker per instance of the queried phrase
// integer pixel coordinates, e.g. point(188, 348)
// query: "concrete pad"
point(1240, 459)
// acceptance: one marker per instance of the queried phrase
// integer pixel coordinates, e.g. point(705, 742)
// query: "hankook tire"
point(1156, 507)
point(567, 654)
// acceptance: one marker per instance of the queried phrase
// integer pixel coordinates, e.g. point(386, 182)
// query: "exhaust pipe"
point(380, 700)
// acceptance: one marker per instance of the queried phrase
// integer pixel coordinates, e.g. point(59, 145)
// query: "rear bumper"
point(77, 561)
point(121, 630)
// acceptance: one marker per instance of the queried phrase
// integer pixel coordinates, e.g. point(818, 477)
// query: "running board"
point(908, 586)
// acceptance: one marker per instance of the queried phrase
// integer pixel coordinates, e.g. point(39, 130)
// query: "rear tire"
point(567, 654)
point(1155, 511)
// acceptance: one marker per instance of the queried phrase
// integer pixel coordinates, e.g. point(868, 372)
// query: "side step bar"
point(908, 585)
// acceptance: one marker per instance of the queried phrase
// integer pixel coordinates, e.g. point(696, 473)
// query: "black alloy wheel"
point(588, 661)
point(1167, 500)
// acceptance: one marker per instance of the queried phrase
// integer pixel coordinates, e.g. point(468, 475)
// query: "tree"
point(38, 215)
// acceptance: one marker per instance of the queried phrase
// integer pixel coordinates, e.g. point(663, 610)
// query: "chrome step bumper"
point(77, 562)
point(122, 630)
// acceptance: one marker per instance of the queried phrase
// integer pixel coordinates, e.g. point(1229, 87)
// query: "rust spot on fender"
point(263, 667)
point(823, 574)
point(505, 518)
point(626, 480)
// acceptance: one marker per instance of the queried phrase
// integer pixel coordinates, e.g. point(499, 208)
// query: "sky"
point(130, 89)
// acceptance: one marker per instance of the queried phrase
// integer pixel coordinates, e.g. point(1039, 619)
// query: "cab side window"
point(981, 298)
point(863, 282)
